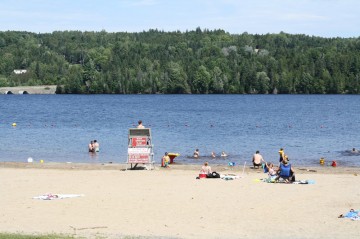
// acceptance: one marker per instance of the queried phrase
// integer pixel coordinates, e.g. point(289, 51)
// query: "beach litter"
point(50, 196)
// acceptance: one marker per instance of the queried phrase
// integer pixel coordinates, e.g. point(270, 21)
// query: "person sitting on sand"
point(206, 169)
point(353, 214)
point(196, 153)
point(91, 147)
point(271, 170)
point(257, 159)
point(285, 172)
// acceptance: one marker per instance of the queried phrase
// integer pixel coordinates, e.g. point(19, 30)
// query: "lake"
point(58, 128)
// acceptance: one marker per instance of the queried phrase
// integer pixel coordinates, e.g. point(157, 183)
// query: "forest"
point(200, 61)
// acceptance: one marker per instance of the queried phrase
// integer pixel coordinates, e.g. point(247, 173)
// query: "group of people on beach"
point(282, 171)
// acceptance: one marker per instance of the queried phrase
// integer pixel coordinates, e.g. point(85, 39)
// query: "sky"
point(325, 18)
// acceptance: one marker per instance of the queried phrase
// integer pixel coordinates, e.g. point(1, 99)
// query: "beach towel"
point(229, 176)
point(50, 196)
point(272, 180)
point(352, 214)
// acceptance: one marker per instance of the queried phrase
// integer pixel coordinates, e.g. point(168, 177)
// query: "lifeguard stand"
point(140, 148)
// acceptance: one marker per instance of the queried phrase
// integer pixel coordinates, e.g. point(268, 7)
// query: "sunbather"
point(206, 169)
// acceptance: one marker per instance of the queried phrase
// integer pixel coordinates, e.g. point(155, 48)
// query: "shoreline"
point(175, 166)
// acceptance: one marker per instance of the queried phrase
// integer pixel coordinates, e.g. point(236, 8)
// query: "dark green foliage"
point(192, 62)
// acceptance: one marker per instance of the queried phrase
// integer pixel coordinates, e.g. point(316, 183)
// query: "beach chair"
point(285, 172)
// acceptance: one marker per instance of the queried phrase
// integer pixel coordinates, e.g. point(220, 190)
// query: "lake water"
point(58, 128)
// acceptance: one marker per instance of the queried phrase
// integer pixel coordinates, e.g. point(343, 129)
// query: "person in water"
point(91, 147)
point(96, 146)
point(223, 154)
point(196, 153)
point(213, 155)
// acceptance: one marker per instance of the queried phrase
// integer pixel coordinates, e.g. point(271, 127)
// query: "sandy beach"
point(171, 203)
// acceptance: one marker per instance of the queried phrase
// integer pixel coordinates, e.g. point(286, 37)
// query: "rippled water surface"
point(57, 128)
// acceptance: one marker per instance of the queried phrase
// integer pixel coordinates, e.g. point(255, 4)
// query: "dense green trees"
point(198, 62)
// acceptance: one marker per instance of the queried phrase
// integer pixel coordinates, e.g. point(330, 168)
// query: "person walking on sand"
point(140, 125)
point(165, 160)
point(257, 159)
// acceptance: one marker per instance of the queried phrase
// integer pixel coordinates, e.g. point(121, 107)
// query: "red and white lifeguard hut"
point(140, 148)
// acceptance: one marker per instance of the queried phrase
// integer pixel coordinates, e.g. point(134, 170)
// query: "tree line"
point(191, 62)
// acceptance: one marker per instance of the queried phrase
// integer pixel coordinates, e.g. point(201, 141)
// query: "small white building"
point(18, 72)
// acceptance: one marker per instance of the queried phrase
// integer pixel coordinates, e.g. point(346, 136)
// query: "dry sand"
point(171, 203)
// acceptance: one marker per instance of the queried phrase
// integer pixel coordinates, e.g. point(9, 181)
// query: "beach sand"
point(171, 203)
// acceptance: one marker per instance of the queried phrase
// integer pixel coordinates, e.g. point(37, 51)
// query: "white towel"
point(51, 196)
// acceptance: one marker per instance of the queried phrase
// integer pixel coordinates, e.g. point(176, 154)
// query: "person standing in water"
point(91, 147)
point(96, 146)
point(196, 153)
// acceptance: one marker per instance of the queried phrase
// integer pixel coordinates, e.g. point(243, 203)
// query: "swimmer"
point(196, 153)
point(355, 151)
point(213, 155)
point(223, 154)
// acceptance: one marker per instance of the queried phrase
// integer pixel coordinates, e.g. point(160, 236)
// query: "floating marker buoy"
point(14, 124)
point(30, 160)
point(322, 161)
point(41, 161)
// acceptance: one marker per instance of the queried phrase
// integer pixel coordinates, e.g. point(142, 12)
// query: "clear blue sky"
point(327, 18)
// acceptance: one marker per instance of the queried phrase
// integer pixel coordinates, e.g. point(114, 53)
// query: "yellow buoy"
point(41, 161)
point(322, 161)
point(14, 124)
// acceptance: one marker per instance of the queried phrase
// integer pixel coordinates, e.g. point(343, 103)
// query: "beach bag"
point(265, 168)
point(213, 175)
